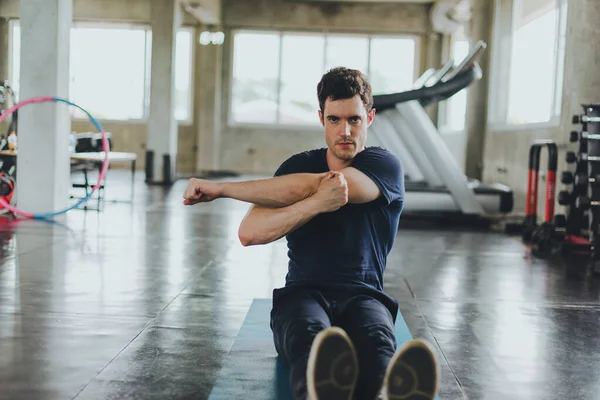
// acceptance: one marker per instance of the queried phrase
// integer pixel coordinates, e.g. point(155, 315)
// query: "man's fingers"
point(191, 202)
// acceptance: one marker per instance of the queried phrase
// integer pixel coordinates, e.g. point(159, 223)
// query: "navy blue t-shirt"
point(351, 244)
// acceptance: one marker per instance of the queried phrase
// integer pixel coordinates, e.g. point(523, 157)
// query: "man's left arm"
point(279, 191)
point(372, 175)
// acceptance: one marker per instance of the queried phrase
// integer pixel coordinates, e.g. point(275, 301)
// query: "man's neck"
point(336, 164)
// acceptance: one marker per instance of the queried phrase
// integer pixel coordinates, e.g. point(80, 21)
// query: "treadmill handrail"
point(430, 94)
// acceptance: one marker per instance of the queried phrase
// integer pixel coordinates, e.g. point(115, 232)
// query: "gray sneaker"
point(332, 369)
point(412, 373)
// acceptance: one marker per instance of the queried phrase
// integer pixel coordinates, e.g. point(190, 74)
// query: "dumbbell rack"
point(582, 202)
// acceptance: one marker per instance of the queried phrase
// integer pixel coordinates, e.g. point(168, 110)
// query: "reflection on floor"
point(144, 300)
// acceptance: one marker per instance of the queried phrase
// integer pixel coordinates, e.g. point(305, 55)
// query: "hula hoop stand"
point(105, 148)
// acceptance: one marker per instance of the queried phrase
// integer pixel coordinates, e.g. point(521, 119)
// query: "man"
point(339, 208)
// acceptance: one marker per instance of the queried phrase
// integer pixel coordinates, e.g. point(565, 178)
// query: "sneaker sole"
point(332, 369)
point(413, 372)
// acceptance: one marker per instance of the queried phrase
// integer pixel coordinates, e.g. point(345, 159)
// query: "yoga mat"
point(253, 370)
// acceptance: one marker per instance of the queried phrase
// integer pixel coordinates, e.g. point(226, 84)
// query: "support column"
point(43, 136)
point(4, 34)
point(209, 107)
point(477, 99)
point(162, 125)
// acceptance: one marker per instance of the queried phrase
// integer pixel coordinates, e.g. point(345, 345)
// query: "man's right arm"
point(263, 225)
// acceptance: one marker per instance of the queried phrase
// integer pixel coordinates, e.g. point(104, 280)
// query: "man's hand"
point(201, 191)
point(332, 192)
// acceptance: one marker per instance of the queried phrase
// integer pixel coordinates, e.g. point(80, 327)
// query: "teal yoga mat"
point(252, 370)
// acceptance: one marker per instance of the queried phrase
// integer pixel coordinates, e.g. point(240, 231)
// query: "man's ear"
point(370, 116)
point(321, 118)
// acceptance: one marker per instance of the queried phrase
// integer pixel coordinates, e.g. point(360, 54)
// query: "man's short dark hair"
point(344, 83)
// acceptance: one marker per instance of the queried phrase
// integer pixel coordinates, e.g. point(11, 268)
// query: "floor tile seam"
point(59, 314)
point(52, 243)
point(462, 390)
point(199, 273)
point(558, 304)
point(412, 293)
point(113, 358)
point(148, 324)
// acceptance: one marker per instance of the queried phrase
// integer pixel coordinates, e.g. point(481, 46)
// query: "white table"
point(97, 158)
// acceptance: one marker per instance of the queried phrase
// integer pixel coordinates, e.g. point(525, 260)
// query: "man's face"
point(346, 122)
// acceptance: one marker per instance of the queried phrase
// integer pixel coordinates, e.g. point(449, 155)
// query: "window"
point(456, 106)
point(392, 64)
point(184, 66)
point(531, 62)
point(255, 77)
point(112, 82)
point(302, 61)
point(275, 74)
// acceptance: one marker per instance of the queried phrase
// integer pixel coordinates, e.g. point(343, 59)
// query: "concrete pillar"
point(209, 57)
point(480, 28)
point(162, 124)
point(4, 48)
point(43, 136)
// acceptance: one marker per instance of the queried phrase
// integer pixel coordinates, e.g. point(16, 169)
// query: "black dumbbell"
point(571, 157)
point(585, 119)
point(566, 177)
point(564, 198)
point(585, 203)
point(574, 136)
point(560, 221)
point(580, 180)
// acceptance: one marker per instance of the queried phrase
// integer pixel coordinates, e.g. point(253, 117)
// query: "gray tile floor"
point(145, 300)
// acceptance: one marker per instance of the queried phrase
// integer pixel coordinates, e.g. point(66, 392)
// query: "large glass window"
point(275, 74)
point(302, 61)
point(392, 64)
point(456, 106)
point(255, 77)
point(109, 68)
point(532, 88)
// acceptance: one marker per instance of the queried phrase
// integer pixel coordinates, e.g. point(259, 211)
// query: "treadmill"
point(434, 182)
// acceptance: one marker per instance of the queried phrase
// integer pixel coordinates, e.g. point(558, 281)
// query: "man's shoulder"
point(379, 154)
point(378, 150)
point(301, 162)
point(308, 154)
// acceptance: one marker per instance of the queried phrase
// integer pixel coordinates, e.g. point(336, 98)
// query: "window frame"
point(448, 49)
point(147, 64)
point(231, 123)
point(501, 60)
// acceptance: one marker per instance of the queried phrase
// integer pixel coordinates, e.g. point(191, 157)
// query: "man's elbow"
point(246, 237)
point(250, 237)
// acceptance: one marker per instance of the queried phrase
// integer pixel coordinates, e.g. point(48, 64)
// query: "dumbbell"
point(581, 179)
point(575, 136)
point(584, 119)
point(564, 198)
point(572, 157)
point(585, 203)
point(560, 221)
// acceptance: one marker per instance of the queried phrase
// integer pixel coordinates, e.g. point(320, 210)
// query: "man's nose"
point(345, 129)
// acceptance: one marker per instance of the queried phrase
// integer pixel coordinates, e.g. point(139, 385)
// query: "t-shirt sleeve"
point(292, 165)
point(384, 169)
